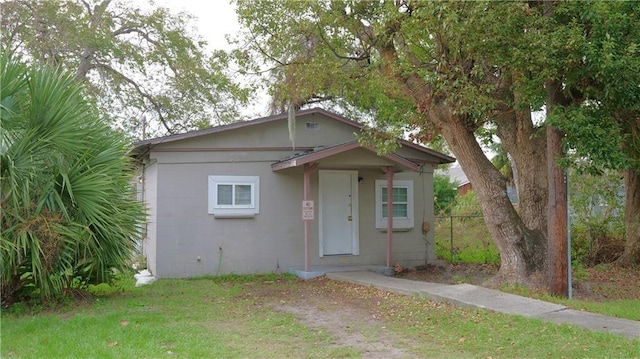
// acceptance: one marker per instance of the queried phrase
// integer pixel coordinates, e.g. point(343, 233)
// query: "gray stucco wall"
point(150, 185)
point(191, 241)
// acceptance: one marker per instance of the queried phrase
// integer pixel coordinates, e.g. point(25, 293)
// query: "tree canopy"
point(138, 63)
point(602, 129)
point(412, 67)
point(463, 70)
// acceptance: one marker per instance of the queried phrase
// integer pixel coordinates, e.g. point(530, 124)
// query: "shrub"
point(445, 193)
point(597, 217)
point(467, 205)
point(69, 214)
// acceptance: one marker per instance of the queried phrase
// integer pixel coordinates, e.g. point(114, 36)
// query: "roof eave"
point(316, 156)
point(442, 158)
point(241, 124)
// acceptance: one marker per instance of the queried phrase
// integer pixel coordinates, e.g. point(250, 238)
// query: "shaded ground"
point(603, 282)
point(452, 273)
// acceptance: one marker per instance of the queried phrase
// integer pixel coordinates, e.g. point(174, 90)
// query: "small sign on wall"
point(307, 210)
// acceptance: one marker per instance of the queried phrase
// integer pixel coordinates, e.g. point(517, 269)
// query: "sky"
point(214, 18)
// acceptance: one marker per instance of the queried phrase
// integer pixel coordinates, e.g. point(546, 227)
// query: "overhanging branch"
point(156, 105)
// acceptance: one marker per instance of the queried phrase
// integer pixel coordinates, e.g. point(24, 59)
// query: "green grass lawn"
point(186, 318)
point(621, 308)
point(233, 317)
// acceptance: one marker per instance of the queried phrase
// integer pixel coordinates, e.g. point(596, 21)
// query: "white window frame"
point(233, 210)
point(404, 223)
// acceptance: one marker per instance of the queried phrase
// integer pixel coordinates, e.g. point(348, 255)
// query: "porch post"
point(308, 168)
point(389, 172)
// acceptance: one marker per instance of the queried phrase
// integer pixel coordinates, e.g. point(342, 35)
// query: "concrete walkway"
point(479, 297)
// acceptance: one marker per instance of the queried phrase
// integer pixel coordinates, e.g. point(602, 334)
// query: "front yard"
point(281, 316)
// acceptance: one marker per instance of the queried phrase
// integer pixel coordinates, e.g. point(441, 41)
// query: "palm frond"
point(68, 207)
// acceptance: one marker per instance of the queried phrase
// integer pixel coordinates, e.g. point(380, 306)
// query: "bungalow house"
point(240, 199)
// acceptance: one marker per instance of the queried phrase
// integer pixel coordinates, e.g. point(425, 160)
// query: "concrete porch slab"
point(320, 270)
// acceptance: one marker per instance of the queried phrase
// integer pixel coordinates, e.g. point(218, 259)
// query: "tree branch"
point(87, 53)
point(145, 35)
point(88, 7)
point(157, 106)
point(366, 55)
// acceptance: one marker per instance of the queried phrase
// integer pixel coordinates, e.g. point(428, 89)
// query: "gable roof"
point(456, 175)
point(140, 146)
point(320, 153)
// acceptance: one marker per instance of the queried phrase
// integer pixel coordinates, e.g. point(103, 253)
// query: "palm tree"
point(69, 214)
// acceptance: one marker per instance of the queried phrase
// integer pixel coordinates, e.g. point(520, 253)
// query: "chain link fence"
point(464, 238)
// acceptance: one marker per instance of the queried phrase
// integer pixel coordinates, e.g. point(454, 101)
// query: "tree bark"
point(558, 250)
point(631, 254)
point(527, 145)
point(557, 217)
point(521, 249)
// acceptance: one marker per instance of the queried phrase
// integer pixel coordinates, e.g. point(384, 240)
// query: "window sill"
point(234, 215)
point(406, 229)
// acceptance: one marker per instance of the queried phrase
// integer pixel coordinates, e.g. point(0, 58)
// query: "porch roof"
point(324, 152)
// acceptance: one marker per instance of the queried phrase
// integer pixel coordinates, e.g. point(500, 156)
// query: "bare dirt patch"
point(324, 307)
point(452, 273)
point(607, 282)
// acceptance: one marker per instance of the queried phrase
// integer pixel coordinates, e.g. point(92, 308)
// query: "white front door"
point(338, 212)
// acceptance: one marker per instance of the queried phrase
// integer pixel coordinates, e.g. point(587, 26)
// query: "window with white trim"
point(402, 203)
point(234, 196)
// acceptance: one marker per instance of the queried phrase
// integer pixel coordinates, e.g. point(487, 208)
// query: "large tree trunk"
point(521, 247)
point(631, 254)
point(527, 146)
point(521, 250)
